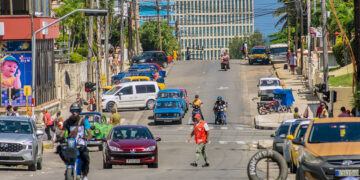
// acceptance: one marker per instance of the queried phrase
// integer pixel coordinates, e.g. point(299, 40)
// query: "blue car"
point(131, 72)
point(157, 67)
point(172, 93)
point(168, 110)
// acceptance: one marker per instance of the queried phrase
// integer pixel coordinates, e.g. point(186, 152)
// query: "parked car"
point(156, 66)
point(20, 142)
point(168, 110)
point(185, 96)
point(294, 149)
point(331, 149)
point(141, 78)
point(173, 93)
point(287, 142)
point(99, 128)
point(280, 135)
point(157, 57)
point(259, 55)
point(130, 145)
point(131, 95)
point(117, 79)
point(266, 87)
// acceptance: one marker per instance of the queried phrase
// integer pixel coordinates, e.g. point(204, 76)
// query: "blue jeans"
point(216, 115)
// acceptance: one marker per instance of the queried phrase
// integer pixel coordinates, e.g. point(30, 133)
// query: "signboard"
point(27, 90)
point(15, 73)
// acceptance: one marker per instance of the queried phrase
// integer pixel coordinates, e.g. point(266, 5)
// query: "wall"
point(344, 98)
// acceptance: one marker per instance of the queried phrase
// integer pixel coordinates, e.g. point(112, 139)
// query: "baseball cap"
point(197, 116)
point(9, 58)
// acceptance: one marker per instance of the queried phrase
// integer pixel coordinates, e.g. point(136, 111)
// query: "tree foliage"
point(236, 44)
point(148, 33)
point(235, 47)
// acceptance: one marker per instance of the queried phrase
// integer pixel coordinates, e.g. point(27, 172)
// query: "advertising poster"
point(15, 73)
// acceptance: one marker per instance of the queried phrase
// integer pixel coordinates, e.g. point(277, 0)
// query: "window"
point(19, 7)
point(150, 88)
point(127, 90)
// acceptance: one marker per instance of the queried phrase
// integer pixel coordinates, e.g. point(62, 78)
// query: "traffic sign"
point(27, 90)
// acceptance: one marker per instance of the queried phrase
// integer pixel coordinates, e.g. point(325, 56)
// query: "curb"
point(263, 127)
point(47, 145)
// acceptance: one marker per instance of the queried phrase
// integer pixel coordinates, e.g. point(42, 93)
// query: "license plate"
point(167, 120)
point(133, 161)
point(347, 172)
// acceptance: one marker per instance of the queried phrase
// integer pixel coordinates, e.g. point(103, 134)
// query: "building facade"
point(148, 11)
point(206, 26)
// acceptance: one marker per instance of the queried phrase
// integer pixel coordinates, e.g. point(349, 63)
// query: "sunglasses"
point(74, 111)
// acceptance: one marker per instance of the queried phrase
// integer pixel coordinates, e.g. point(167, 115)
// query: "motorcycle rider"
point(220, 102)
point(76, 128)
point(226, 57)
point(197, 102)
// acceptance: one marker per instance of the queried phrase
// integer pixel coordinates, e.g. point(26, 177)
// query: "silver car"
point(20, 142)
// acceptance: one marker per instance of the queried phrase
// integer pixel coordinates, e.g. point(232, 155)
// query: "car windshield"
point(145, 54)
point(131, 133)
point(113, 90)
point(258, 51)
point(17, 127)
point(301, 132)
point(294, 125)
point(168, 95)
point(167, 104)
point(278, 50)
point(283, 129)
point(92, 118)
point(335, 132)
point(269, 83)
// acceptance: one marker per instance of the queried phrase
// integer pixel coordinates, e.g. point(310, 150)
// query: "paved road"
point(230, 146)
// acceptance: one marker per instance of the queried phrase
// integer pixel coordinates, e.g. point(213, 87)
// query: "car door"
point(39, 142)
point(126, 97)
point(140, 95)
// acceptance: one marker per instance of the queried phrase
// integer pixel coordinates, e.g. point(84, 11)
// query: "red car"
point(154, 64)
point(130, 145)
point(185, 96)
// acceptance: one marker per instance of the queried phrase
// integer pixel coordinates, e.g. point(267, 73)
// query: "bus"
point(278, 51)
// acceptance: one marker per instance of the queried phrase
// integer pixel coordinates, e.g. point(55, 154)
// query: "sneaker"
point(193, 164)
point(206, 165)
point(85, 178)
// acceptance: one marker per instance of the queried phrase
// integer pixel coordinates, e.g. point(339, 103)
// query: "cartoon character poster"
point(15, 73)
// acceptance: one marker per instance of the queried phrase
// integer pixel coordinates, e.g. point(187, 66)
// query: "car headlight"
point(150, 148)
point(28, 145)
point(142, 60)
point(309, 158)
point(114, 148)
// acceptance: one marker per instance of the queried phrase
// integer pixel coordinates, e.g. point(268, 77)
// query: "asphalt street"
point(230, 147)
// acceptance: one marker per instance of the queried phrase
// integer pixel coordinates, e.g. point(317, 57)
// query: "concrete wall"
point(344, 98)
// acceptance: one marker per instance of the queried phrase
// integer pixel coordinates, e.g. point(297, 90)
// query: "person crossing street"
point(201, 132)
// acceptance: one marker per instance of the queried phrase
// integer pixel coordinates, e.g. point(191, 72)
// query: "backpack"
point(286, 66)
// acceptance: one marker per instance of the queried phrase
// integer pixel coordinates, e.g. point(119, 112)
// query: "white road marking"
point(224, 128)
point(222, 88)
point(240, 142)
point(222, 142)
point(239, 128)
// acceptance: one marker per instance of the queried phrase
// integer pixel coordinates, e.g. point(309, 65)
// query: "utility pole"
point(130, 40)
point(99, 59)
point(288, 27)
point(168, 12)
point(308, 4)
point(137, 39)
point(301, 37)
point(122, 35)
point(325, 44)
point(107, 71)
point(90, 44)
point(159, 27)
point(357, 39)
point(296, 27)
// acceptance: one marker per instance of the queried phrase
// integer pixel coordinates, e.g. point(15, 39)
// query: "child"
point(9, 66)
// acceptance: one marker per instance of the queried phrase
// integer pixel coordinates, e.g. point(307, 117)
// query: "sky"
point(265, 23)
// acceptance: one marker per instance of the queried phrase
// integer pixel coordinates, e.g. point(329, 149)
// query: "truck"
point(278, 51)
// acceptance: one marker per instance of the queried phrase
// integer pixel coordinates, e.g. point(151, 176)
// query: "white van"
point(131, 95)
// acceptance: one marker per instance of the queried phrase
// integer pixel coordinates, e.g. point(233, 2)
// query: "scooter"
point(225, 64)
point(196, 110)
point(220, 115)
point(72, 159)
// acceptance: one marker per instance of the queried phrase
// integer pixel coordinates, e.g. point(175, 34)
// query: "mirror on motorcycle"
point(157, 139)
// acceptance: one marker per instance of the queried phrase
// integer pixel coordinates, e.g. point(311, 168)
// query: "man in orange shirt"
point(201, 131)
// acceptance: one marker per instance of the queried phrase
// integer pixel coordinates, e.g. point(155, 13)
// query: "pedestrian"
point(114, 118)
point(58, 121)
point(29, 114)
point(324, 111)
point(93, 101)
point(175, 55)
point(48, 123)
point(293, 63)
point(81, 101)
point(9, 110)
point(201, 132)
point(348, 112)
point(156, 75)
point(296, 113)
point(343, 112)
point(15, 112)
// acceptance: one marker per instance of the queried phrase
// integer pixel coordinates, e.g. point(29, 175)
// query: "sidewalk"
point(302, 95)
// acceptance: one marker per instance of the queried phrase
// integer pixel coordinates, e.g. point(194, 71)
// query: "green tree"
point(149, 37)
point(235, 45)
point(256, 39)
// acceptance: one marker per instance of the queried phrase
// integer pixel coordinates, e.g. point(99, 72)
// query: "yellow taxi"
point(294, 148)
point(134, 78)
point(259, 54)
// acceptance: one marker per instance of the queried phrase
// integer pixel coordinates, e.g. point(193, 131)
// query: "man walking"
point(201, 131)
point(114, 118)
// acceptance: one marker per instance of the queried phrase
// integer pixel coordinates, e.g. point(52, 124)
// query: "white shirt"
point(293, 60)
point(245, 46)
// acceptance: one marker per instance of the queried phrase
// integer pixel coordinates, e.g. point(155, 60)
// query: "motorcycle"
point(220, 114)
point(264, 108)
point(72, 160)
point(225, 64)
point(196, 110)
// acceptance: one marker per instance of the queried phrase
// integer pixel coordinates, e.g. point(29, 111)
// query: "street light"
point(88, 12)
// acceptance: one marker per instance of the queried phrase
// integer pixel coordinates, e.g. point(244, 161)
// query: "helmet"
point(196, 96)
point(75, 107)
point(219, 97)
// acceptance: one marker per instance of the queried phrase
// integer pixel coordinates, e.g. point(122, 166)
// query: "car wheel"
point(292, 167)
point(107, 165)
point(32, 167)
point(164, 64)
point(250, 62)
point(153, 165)
point(300, 174)
point(110, 106)
point(179, 121)
point(150, 104)
point(39, 164)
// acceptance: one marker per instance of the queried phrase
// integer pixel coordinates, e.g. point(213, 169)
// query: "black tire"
point(107, 165)
point(109, 106)
point(150, 104)
point(156, 122)
point(292, 167)
point(300, 174)
point(263, 154)
point(39, 164)
point(250, 62)
point(179, 121)
point(69, 174)
point(33, 166)
point(164, 64)
point(260, 110)
point(153, 165)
